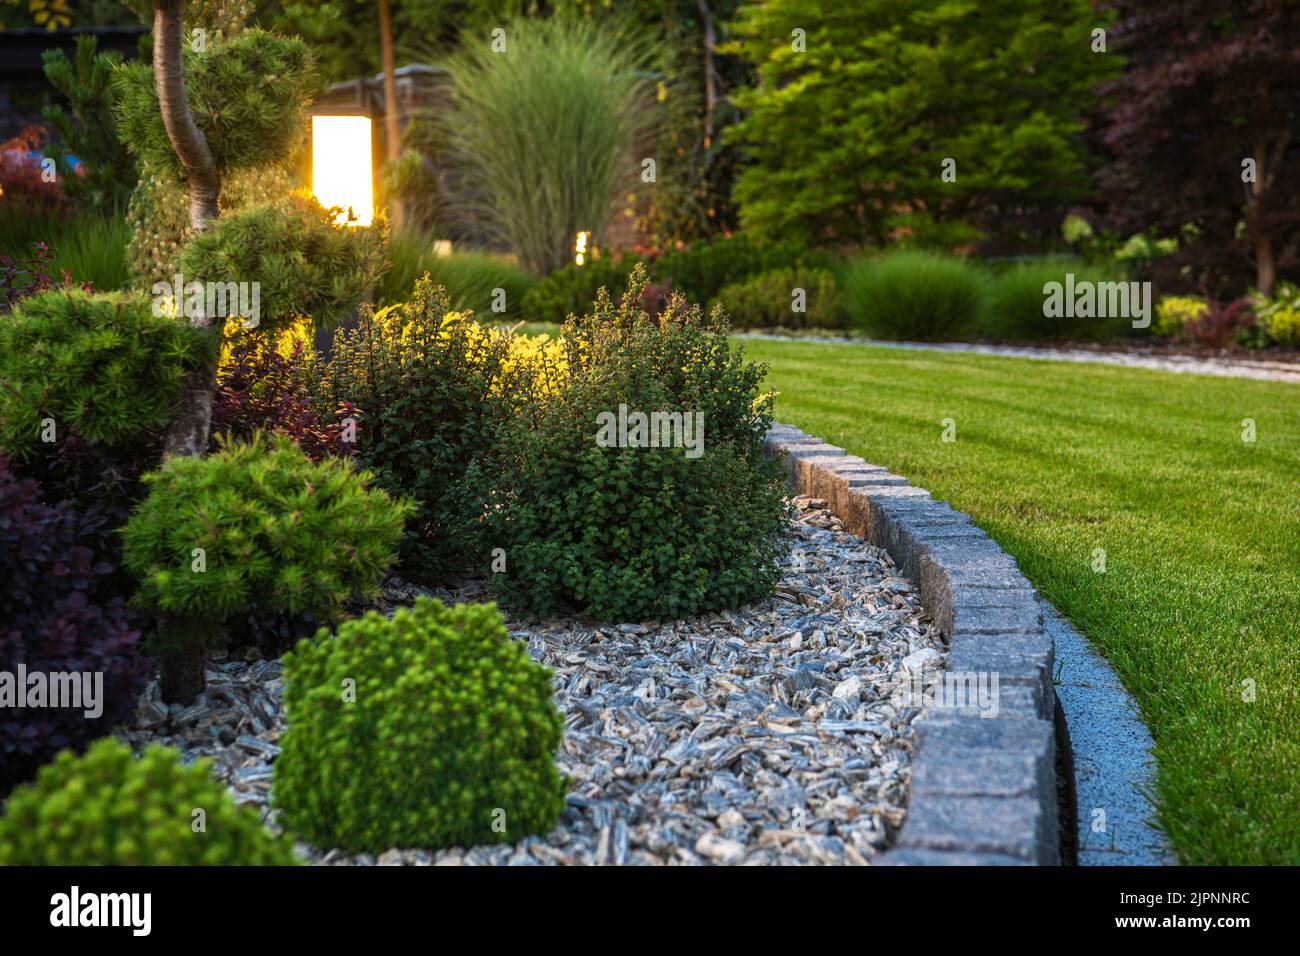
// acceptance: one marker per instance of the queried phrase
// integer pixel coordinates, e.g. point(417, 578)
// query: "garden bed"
point(779, 733)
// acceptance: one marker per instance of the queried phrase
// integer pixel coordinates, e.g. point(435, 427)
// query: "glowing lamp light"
point(342, 166)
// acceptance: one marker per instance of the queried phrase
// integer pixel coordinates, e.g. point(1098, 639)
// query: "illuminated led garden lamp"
point(342, 164)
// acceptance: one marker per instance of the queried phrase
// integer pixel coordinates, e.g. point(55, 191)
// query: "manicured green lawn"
point(1201, 533)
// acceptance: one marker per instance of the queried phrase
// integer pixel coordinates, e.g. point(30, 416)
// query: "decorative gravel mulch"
point(779, 733)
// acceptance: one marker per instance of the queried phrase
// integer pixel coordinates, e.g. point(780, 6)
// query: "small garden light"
point(342, 165)
point(580, 247)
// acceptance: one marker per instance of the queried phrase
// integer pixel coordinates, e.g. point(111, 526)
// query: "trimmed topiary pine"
point(432, 729)
point(101, 365)
point(60, 623)
point(306, 265)
point(107, 808)
point(256, 522)
point(246, 94)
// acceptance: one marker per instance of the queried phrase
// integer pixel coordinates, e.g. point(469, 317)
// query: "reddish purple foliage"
point(261, 389)
point(20, 278)
point(1219, 326)
point(1208, 84)
point(58, 614)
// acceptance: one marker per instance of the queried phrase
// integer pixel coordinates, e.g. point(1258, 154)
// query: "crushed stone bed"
point(776, 734)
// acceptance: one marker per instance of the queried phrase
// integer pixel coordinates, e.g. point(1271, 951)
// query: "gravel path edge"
point(986, 787)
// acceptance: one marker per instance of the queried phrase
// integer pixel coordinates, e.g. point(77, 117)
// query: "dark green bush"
point(307, 266)
point(916, 296)
point(470, 278)
point(430, 729)
point(571, 290)
point(107, 808)
point(1014, 307)
point(767, 300)
point(629, 533)
point(432, 390)
point(700, 271)
point(274, 528)
point(100, 365)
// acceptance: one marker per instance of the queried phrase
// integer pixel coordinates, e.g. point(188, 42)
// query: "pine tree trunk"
point(180, 674)
point(188, 434)
point(186, 138)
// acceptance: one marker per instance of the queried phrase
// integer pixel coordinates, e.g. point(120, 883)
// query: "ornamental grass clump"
point(634, 485)
point(914, 295)
point(101, 365)
point(796, 298)
point(430, 729)
point(257, 522)
point(108, 808)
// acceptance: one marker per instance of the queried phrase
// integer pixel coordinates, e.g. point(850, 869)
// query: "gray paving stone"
point(1016, 826)
point(901, 857)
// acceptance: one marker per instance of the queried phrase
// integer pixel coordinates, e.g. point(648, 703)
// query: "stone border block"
point(984, 779)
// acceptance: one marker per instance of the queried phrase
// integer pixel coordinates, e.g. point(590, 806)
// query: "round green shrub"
point(430, 729)
point(274, 527)
point(767, 300)
point(106, 808)
point(914, 296)
point(102, 365)
point(1014, 308)
point(700, 270)
point(1284, 326)
point(623, 530)
point(570, 291)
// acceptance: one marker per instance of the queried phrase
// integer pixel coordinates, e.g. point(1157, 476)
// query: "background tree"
point(85, 126)
point(1209, 84)
point(858, 106)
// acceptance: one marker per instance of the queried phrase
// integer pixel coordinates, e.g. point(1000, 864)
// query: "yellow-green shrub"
point(1175, 312)
point(431, 729)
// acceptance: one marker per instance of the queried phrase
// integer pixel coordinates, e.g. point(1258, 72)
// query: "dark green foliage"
point(248, 96)
point(571, 290)
point(274, 528)
point(470, 278)
point(846, 138)
point(916, 296)
point(103, 366)
point(628, 533)
point(107, 808)
point(1014, 308)
point(85, 127)
point(58, 615)
point(700, 271)
point(448, 737)
point(307, 265)
point(433, 394)
point(766, 300)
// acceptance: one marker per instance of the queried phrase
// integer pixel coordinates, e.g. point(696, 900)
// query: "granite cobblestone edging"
point(984, 788)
